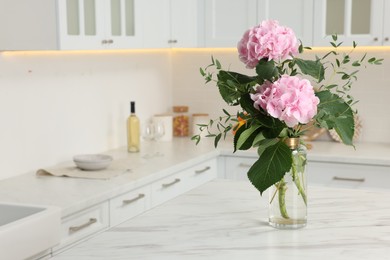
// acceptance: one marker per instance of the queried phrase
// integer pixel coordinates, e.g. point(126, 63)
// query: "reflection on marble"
point(227, 220)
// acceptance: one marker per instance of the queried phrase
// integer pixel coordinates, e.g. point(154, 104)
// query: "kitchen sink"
point(28, 230)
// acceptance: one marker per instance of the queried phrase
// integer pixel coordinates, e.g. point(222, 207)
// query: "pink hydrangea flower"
point(268, 40)
point(289, 99)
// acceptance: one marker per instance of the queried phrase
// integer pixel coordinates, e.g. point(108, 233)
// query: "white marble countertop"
point(72, 194)
point(228, 220)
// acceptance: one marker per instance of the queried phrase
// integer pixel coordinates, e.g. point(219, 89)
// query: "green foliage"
point(312, 68)
point(271, 166)
point(254, 127)
point(335, 113)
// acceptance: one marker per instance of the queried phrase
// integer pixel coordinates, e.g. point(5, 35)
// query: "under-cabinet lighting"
point(81, 52)
point(173, 50)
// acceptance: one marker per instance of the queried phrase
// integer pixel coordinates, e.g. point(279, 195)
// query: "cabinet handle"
point(110, 41)
point(77, 228)
point(348, 179)
point(245, 165)
point(166, 185)
point(140, 196)
point(376, 39)
point(172, 41)
point(203, 170)
point(386, 39)
point(104, 42)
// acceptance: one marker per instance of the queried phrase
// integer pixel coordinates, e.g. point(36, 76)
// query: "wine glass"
point(159, 132)
point(148, 135)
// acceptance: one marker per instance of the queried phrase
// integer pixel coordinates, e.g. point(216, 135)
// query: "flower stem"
point(297, 181)
point(282, 198)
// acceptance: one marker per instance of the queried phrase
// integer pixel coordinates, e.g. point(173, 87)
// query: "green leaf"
point(264, 144)
point(247, 137)
point(334, 112)
point(334, 37)
point(232, 85)
point(271, 166)
point(202, 72)
point(266, 70)
point(218, 64)
point(247, 104)
point(312, 68)
point(216, 140)
point(239, 131)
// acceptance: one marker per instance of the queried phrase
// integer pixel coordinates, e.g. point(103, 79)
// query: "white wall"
point(372, 88)
point(54, 105)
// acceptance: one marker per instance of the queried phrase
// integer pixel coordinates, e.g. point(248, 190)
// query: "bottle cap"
point(132, 107)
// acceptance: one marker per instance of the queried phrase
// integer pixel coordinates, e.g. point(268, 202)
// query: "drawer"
point(183, 181)
point(129, 204)
point(237, 167)
point(348, 175)
point(83, 224)
point(200, 174)
point(167, 188)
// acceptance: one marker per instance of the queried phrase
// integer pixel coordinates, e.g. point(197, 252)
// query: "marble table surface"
point(226, 219)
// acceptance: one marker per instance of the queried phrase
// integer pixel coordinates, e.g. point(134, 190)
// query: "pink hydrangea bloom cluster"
point(267, 40)
point(289, 99)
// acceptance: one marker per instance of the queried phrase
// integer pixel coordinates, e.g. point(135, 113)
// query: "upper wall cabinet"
point(100, 24)
point(28, 25)
point(227, 20)
point(70, 24)
point(170, 23)
point(363, 21)
point(297, 14)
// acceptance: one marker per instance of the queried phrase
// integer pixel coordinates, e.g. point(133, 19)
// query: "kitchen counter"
point(228, 220)
point(72, 194)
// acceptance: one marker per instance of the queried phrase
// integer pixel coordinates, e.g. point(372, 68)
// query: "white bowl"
point(92, 162)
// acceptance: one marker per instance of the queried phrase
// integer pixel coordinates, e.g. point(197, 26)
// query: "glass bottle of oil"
point(133, 130)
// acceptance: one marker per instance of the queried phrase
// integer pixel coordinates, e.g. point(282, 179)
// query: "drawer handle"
point(77, 228)
point(245, 165)
point(140, 196)
point(166, 185)
point(348, 179)
point(203, 170)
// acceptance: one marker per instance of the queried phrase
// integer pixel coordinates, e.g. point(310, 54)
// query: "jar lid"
point(180, 109)
point(200, 114)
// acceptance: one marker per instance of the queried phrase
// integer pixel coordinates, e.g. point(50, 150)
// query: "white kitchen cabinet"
point(103, 24)
point(28, 25)
point(82, 224)
point(183, 181)
point(332, 174)
point(346, 175)
point(71, 24)
point(225, 21)
point(170, 23)
point(236, 167)
point(297, 14)
point(129, 205)
point(362, 21)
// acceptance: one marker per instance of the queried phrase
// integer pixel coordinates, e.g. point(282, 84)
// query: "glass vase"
point(288, 197)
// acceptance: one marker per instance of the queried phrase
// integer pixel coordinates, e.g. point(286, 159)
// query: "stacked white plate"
point(92, 162)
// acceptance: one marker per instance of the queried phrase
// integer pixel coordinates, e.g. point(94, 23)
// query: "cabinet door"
point(297, 14)
point(238, 167)
point(386, 24)
point(226, 21)
point(184, 23)
point(123, 25)
point(81, 24)
point(156, 23)
point(352, 20)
